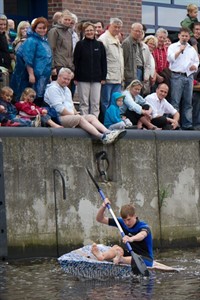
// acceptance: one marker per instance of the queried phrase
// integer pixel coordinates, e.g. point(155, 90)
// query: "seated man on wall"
point(59, 96)
point(164, 115)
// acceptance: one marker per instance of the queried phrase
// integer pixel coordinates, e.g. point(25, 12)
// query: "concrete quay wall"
point(49, 204)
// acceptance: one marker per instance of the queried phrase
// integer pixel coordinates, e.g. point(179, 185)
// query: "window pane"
point(148, 15)
point(186, 2)
point(176, 16)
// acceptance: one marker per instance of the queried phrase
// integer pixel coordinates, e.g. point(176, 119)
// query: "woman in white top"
point(152, 43)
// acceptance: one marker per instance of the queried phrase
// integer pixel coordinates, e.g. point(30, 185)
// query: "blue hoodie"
point(112, 115)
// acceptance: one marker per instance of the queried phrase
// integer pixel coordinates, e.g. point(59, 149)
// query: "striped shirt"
point(160, 56)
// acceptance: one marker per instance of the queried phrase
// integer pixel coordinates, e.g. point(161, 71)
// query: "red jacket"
point(28, 108)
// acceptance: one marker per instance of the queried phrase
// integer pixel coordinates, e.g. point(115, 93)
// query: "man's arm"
point(136, 238)
point(176, 116)
point(175, 120)
point(100, 217)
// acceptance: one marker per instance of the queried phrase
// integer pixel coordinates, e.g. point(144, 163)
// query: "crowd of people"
point(136, 81)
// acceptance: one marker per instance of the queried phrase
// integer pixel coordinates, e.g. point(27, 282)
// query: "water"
point(44, 279)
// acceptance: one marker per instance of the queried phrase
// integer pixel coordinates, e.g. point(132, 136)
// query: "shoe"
point(128, 123)
point(113, 136)
point(36, 122)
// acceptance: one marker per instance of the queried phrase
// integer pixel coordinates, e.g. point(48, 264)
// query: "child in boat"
point(137, 233)
point(29, 110)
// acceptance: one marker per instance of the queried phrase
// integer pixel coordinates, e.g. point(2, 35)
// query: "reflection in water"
point(44, 279)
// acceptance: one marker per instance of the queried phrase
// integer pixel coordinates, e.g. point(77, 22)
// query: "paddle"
point(138, 265)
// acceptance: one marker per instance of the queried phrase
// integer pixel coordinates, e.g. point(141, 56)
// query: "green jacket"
point(187, 23)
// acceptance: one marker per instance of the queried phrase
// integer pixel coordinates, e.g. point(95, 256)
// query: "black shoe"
point(188, 128)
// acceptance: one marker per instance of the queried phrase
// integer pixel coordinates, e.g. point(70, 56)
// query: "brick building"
point(128, 11)
point(152, 13)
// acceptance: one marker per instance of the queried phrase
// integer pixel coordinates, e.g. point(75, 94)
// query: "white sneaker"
point(113, 136)
point(128, 123)
point(36, 122)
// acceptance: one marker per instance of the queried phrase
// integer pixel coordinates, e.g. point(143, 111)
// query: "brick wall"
point(128, 11)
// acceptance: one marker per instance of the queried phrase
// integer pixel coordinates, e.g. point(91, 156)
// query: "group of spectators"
point(139, 81)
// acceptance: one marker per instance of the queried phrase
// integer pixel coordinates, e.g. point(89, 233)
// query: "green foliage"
point(163, 194)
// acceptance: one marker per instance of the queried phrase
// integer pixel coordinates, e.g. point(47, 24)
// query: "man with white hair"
point(58, 96)
point(115, 63)
point(160, 54)
point(137, 57)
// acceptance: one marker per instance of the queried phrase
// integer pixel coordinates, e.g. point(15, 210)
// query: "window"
point(148, 15)
point(160, 2)
point(167, 13)
point(25, 9)
point(185, 2)
point(176, 16)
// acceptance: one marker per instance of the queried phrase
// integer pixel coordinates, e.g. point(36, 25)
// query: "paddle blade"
point(138, 266)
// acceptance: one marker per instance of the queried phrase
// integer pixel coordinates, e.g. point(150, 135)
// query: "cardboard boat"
point(81, 263)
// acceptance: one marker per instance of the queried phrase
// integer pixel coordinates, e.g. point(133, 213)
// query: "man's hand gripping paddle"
point(138, 265)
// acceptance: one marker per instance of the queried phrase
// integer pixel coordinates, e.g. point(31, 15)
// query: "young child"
point(9, 115)
point(135, 107)
point(28, 110)
point(113, 119)
point(192, 13)
point(137, 233)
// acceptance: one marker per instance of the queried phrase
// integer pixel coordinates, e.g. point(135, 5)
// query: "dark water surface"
point(44, 279)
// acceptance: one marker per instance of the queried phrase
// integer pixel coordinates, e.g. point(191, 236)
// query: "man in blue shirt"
point(137, 233)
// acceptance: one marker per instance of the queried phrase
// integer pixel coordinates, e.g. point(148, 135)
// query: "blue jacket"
point(11, 110)
point(36, 53)
point(112, 114)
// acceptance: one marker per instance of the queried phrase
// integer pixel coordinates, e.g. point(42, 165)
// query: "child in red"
point(27, 109)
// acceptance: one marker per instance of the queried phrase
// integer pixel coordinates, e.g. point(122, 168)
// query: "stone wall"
point(157, 171)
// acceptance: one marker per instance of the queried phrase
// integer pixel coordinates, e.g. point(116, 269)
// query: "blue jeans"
point(107, 90)
point(140, 74)
point(181, 97)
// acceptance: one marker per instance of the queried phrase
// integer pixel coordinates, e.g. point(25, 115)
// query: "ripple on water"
point(44, 279)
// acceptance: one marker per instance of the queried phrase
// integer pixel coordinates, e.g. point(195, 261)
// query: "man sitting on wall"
point(164, 115)
point(59, 96)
